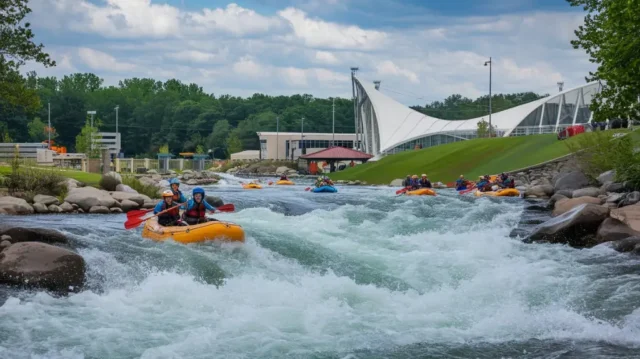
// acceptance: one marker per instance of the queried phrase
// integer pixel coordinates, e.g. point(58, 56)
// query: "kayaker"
point(407, 182)
point(415, 183)
point(177, 194)
point(197, 208)
point(171, 217)
point(284, 178)
point(461, 183)
point(328, 181)
point(482, 183)
point(507, 182)
point(424, 182)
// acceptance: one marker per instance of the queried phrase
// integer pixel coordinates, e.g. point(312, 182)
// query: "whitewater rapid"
point(358, 274)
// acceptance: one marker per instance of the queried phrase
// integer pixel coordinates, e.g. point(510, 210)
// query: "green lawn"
point(91, 179)
point(470, 158)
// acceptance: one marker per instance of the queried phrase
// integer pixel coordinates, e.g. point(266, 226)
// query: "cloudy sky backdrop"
point(421, 50)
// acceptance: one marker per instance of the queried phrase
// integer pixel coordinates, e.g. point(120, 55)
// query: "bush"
point(36, 181)
point(109, 183)
point(149, 190)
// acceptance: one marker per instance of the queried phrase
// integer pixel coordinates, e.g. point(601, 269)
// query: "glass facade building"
point(384, 126)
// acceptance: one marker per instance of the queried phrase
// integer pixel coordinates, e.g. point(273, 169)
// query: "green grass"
point(470, 158)
point(91, 179)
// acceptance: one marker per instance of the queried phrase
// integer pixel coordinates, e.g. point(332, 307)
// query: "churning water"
point(357, 274)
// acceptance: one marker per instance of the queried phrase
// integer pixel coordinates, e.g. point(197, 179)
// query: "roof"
point(398, 123)
point(267, 133)
point(337, 153)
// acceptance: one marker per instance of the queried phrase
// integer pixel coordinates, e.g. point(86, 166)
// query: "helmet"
point(424, 175)
point(174, 181)
point(414, 176)
point(198, 190)
point(319, 178)
point(461, 176)
point(167, 193)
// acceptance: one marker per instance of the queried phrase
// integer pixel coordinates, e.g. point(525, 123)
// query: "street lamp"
point(302, 147)
point(117, 107)
point(485, 64)
point(91, 138)
point(277, 138)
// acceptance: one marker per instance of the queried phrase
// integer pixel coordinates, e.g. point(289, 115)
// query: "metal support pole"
point(49, 121)
point(277, 137)
point(302, 137)
point(117, 107)
point(490, 62)
point(333, 127)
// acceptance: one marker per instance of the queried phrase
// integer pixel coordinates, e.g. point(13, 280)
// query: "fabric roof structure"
point(386, 126)
point(337, 153)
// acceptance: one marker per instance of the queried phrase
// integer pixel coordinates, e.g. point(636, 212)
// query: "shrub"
point(36, 181)
point(149, 190)
point(109, 183)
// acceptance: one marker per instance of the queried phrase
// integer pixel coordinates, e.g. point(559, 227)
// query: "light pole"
point(333, 126)
point(49, 121)
point(91, 134)
point(117, 107)
point(302, 137)
point(485, 64)
point(277, 137)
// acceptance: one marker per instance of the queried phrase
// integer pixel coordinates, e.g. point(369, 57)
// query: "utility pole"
point(49, 121)
point(117, 107)
point(560, 86)
point(302, 149)
point(490, 65)
point(333, 127)
point(277, 140)
point(91, 134)
point(355, 107)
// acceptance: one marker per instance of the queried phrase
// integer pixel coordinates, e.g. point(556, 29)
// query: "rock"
point(88, 197)
point(40, 208)
point(539, 191)
point(66, 207)
point(12, 205)
point(46, 200)
point(630, 244)
point(149, 204)
point(608, 176)
point(148, 181)
point(630, 199)
point(572, 227)
point(124, 188)
point(566, 192)
point(99, 210)
point(192, 182)
point(128, 205)
point(565, 205)
point(586, 192)
point(396, 182)
point(612, 230)
point(572, 180)
point(116, 205)
point(4, 245)
point(54, 209)
point(75, 206)
point(282, 170)
point(135, 197)
point(555, 198)
point(5, 237)
point(152, 172)
point(42, 265)
point(187, 177)
point(214, 201)
point(613, 187)
point(615, 197)
point(115, 210)
point(630, 215)
point(79, 210)
point(116, 176)
point(71, 184)
point(18, 234)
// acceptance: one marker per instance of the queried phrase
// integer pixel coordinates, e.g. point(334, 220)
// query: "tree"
point(83, 140)
point(164, 149)
point(37, 130)
point(611, 37)
point(17, 47)
point(234, 145)
point(199, 150)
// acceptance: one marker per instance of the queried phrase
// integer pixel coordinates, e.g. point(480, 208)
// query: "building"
point(245, 155)
point(385, 126)
point(289, 145)
point(110, 141)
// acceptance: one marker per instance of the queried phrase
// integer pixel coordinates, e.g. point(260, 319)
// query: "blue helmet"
point(198, 190)
point(174, 181)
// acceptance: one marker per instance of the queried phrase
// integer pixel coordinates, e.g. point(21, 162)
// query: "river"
point(358, 274)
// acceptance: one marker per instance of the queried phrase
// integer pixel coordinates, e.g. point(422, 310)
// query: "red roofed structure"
point(332, 155)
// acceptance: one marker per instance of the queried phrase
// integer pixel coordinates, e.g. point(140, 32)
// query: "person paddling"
point(177, 194)
point(461, 183)
point(424, 182)
point(197, 207)
point(171, 217)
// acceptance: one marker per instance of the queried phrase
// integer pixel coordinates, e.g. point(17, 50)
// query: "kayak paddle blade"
point(138, 212)
point(229, 207)
point(133, 223)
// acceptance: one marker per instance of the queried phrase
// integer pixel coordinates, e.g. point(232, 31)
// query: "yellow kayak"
point(251, 186)
point(195, 233)
point(507, 192)
point(284, 182)
point(421, 192)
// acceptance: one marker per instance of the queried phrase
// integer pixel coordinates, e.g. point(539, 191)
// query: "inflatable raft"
point(507, 192)
point(325, 189)
point(216, 230)
point(251, 186)
point(421, 192)
point(284, 182)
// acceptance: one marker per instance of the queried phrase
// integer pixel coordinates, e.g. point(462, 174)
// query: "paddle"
point(135, 222)
point(141, 212)
point(401, 191)
point(307, 189)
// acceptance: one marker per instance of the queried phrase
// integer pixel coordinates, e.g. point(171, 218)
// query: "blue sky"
point(420, 50)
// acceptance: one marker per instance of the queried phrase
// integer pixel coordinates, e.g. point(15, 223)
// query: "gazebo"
point(332, 155)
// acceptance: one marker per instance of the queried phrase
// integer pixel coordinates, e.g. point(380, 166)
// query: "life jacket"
point(176, 195)
point(173, 213)
point(425, 183)
point(197, 211)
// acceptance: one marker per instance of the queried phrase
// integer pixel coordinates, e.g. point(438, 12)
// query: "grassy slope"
point(90, 179)
point(471, 158)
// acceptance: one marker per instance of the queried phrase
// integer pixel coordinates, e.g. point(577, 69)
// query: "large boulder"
point(630, 215)
point(555, 198)
point(543, 190)
point(572, 180)
point(608, 176)
point(565, 205)
point(99, 210)
point(573, 227)
point(128, 205)
point(41, 265)
point(115, 175)
point(67, 207)
point(282, 170)
point(46, 200)
point(135, 197)
point(613, 187)
point(19, 234)
point(40, 208)
point(396, 182)
point(630, 199)
point(148, 181)
point(12, 205)
point(612, 230)
point(88, 197)
point(124, 188)
point(565, 192)
point(54, 209)
point(630, 244)
point(586, 192)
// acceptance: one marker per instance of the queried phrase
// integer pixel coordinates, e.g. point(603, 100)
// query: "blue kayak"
point(325, 189)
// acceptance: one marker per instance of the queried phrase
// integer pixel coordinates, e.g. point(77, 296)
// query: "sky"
point(421, 50)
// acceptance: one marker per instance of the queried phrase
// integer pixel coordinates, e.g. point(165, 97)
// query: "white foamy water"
point(361, 273)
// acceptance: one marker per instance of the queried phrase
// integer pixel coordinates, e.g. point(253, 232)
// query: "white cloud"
point(200, 56)
point(389, 68)
point(98, 60)
point(325, 57)
point(233, 19)
point(294, 76)
point(246, 66)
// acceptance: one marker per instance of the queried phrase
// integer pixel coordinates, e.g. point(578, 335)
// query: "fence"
point(134, 165)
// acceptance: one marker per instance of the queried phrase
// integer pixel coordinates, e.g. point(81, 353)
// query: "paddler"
point(284, 178)
point(461, 183)
point(197, 208)
point(424, 182)
point(318, 182)
point(171, 217)
point(177, 194)
point(415, 183)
